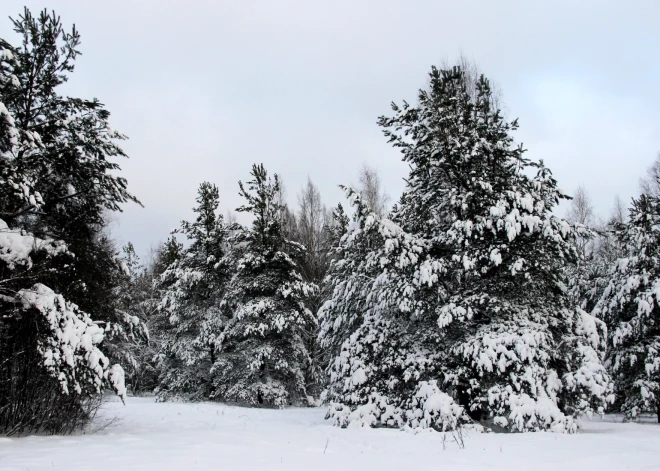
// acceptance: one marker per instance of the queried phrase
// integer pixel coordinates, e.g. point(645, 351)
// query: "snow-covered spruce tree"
point(467, 313)
point(351, 275)
point(193, 286)
point(598, 249)
point(160, 328)
point(629, 306)
point(587, 281)
point(60, 180)
point(262, 355)
point(52, 370)
point(327, 342)
point(338, 228)
point(137, 301)
point(377, 375)
point(337, 320)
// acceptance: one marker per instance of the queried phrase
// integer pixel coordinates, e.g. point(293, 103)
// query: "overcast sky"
point(204, 89)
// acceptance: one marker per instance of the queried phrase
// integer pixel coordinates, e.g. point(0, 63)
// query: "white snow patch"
point(211, 436)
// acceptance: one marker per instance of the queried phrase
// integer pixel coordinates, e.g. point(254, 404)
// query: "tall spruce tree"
point(629, 306)
point(463, 310)
point(262, 355)
point(193, 286)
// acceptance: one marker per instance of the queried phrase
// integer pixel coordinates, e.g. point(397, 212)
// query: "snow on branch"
point(69, 349)
point(16, 246)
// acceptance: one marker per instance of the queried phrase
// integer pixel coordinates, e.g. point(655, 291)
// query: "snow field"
point(145, 435)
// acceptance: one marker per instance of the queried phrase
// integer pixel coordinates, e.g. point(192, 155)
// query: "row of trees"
point(616, 279)
point(237, 326)
point(468, 300)
point(76, 311)
point(235, 310)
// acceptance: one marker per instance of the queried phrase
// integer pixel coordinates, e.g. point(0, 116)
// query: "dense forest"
point(469, 299)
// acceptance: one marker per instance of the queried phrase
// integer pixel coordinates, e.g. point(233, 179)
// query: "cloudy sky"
point(204, 89)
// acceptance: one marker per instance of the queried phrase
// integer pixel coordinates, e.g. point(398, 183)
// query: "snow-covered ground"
point(208, 436)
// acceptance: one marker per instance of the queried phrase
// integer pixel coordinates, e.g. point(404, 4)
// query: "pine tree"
point(375, 369)
point(61, 179)
point(56, 181)
point(64, 155)
point(262, 351)
point(463, 310)
point(629, 306)
point(193, 286)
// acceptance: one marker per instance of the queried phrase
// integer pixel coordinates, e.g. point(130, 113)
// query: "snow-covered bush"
point(52, 364)
point(69, 344)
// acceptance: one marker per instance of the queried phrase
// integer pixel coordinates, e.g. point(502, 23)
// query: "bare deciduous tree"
point(311, 227)
point(581, 213)
point(582, 210)
point(370, 188)
point(650, 184)
point(618, 213)
point(230, 218)
point(312, 224)
point(287, 217)
point(472, 74)
point(607, 247)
